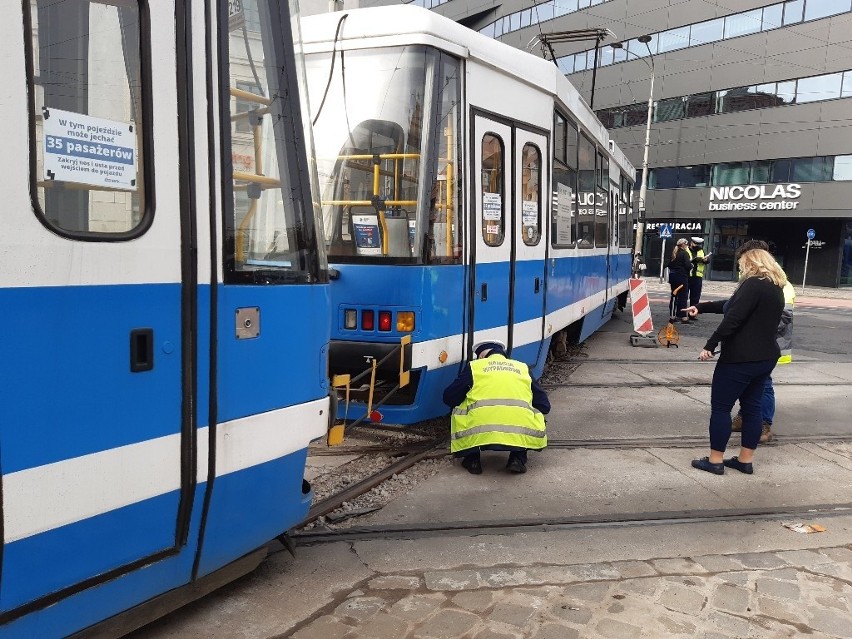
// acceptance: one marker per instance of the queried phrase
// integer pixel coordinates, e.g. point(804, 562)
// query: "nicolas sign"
point(755, 197)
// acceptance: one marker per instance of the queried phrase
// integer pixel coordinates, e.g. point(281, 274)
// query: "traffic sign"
point(811, 234)
point(665, 231)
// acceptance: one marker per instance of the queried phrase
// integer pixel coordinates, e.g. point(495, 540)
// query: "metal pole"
point(594, 73)
point(662, 260)
point(643, 189)
point(805, 274)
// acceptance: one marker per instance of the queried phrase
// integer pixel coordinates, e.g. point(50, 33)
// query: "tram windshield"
point(386, 128)
point(272, 234)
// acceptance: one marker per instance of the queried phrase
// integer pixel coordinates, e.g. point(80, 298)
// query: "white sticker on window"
point(529, 213)
point(85, 150)
point(367, 238)
point(492, 206)
point(493, 229)
point(563, 214)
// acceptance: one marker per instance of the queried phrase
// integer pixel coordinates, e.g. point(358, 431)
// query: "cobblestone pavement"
point(754, 595)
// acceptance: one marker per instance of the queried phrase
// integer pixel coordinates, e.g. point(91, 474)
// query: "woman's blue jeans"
point(744, 381)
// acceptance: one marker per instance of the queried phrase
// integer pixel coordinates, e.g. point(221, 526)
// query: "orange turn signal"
point(405, 321)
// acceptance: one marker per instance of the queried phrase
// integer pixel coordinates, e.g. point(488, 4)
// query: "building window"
point(663, 178)
point(842, 168)
point(816, 169)
point(89, 140)
point(821, 87)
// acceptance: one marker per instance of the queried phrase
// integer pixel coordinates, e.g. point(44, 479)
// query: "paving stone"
point(591, 572)
point(552, 631)
point(360, 608)
point(832, 602)
point(837, 554)
point(718, 563)
point(805, 558)
point(788, 574)
point(673, 626)
point(587, 592)
point(765, 627)
point(728, 624)
point(416, 607)
point(831, 622)
point(568, 612)
point(714, 635)
point(730, 598)
point(678, 566)
point(551, 575)
point(644, 587)
point(777, 588)
point(782, 610)
point(504, 578)
point(512, 614)
point(618, 629)
point(323, 628)
point(615, 608)
point(736, 578)
point(452, 580)
point(488, 633)
point(682, 599)
point(759, 560)
point(475, 601)
point(394, 582)
point(382, 625)
point(632, 569)
point(450, 624)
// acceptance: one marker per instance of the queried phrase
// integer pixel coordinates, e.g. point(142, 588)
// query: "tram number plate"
point(236, 15)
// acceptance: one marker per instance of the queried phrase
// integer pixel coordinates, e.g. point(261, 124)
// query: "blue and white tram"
point(468, 194)
point(164, 291)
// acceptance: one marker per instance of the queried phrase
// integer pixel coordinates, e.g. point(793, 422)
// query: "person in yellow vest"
point(784, 337)
point(497, 405)
point(696, 275)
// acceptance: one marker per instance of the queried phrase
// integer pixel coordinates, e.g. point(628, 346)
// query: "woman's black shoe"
point(473, 465)
point(733, 462)
point(705, 464)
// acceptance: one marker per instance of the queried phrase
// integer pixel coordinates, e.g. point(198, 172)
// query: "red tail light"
point(367, 321)
point(384, 320)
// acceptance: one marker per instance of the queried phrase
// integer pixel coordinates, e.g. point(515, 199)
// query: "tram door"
point(530, 244)
point(94, 373)
point(492, 230)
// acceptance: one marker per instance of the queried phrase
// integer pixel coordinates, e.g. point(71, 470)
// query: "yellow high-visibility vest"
point(784, 336)
point(698, 267)
point(498, 408)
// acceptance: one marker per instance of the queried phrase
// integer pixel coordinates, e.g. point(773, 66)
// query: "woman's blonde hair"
point(679, 247)
point(760, 263)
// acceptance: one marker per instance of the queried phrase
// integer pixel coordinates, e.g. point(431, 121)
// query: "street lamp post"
point(643, 188)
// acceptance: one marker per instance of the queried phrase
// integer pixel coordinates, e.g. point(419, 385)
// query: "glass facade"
point(759, 96)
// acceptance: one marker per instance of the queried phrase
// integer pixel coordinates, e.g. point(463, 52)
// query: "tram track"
point(569, 522)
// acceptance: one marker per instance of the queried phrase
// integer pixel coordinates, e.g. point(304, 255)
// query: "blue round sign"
point(811, 234)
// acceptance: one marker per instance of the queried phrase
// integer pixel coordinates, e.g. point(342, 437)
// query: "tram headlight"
point(350, 319)
point(405, 321)
point(384, 320)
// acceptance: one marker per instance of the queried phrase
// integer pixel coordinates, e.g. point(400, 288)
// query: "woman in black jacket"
point(749, 353)
point(679, 267)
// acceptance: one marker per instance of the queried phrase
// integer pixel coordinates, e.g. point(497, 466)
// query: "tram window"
point(270, 234)
point(571, 142)
point(586, 196)
point(563, 207)
point(89, 120)
point(492, 176)
point(624, 218)
point(531, 195)
point(558, 136)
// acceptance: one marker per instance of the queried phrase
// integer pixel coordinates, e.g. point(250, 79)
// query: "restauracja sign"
point(753, 197)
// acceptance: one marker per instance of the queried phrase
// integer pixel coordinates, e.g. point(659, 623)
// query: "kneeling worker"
point(496, 406)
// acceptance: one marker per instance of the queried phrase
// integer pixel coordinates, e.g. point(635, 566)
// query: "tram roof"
point(406, 24)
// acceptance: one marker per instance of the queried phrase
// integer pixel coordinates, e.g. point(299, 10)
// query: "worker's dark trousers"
point(695, 284)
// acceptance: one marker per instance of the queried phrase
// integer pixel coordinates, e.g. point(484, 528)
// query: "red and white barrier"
point(642, 322)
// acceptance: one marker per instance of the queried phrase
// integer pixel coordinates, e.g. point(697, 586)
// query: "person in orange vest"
point(497, 405)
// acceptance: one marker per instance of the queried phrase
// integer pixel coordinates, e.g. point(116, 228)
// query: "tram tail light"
point(405, 321)
point(384, 320)
point(367, 321)
point(350, 319)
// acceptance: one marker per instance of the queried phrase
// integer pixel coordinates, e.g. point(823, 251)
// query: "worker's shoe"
point(705, 464)
point(473, 465)
point(735, 463)
point(737, 424)
point(515, 465)
point(766, 433)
